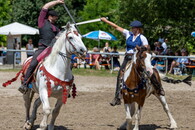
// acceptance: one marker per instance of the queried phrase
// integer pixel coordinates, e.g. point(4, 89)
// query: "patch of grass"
point(80, 71)
point(93, 72)
point(10, 70)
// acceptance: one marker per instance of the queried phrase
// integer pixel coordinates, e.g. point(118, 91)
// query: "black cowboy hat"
point(136, 24)
point(52, 13)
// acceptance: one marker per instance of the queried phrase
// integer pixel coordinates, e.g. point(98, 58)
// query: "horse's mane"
point(57, 46)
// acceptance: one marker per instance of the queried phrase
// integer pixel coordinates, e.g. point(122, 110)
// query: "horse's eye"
point(70, 38)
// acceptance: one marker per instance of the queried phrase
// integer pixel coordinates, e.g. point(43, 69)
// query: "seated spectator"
point(95, 59)
point(73, 61)
point(164, 45)
point(3, 50)
point(87, 60)
point(158, 47)
point(154, 60)
point(170, 60)
point(177, 53)
point(116, 63)
point(160, 64)
point(180, 62)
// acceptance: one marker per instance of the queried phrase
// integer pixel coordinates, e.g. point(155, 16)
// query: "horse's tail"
point(186, 80)
point(13, 79)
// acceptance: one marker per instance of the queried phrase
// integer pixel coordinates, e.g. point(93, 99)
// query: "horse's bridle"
point(76, 33)
point(63, 55)
point(144, 73)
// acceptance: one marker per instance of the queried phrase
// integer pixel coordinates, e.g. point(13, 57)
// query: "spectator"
point(164, 45)
point(116, 63)
point(73, 61)
point(17, 54)
point(29, 46)
point(3, 53)
point(95, 59)
point(107, 49)
point(160, 64)
point(159, 48)
point(155, 59)
point(106, 58)
point(180, 62)
point(177, 53)
point(155, 45)
point(170, 60)
point(17, 45)
point(87, 60)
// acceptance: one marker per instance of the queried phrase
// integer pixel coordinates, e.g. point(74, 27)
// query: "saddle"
point(24, 70)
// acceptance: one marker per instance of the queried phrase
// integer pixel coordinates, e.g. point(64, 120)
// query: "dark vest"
point(132, 44)
point(46, 33)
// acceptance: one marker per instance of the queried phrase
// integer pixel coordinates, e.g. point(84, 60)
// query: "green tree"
point(4, 17)
point(162, 18)
point(27, 12)
point(95, 9)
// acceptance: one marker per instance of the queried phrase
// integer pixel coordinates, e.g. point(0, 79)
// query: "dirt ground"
point(91, 110)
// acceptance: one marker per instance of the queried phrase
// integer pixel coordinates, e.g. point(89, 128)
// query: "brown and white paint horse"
point(137, 87)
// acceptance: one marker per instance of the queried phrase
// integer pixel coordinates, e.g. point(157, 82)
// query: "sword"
point(71, 17)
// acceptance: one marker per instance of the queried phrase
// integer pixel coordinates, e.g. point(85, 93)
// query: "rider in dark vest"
point(133, 38)
point(47, 31)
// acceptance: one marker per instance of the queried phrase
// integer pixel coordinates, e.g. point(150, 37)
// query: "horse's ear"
point(68, 25)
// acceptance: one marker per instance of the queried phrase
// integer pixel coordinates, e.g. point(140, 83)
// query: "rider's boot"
point(23, 88)
point(117, 98)
point(157, 85)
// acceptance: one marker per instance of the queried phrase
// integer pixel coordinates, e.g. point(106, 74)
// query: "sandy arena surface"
point(91, 110)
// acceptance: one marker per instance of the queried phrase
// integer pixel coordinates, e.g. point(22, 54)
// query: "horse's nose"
point(81, 50)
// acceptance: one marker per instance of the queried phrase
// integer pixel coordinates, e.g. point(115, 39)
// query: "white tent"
point(18, 29)
point(14, 32)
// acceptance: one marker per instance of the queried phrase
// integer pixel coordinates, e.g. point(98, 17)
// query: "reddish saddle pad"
point(44, 54)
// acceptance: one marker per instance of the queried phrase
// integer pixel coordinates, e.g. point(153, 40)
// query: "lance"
point(88, 21)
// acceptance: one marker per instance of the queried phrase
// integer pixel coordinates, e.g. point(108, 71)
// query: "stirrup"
point(23, 89)
point(115, 101)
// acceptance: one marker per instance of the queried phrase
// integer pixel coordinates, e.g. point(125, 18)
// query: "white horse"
point(54, 77)
point(137, 87)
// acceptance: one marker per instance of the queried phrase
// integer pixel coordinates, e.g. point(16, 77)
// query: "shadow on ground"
point(148, 127)
point(56, 127)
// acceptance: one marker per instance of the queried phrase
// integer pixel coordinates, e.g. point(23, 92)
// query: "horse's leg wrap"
point(157, 85)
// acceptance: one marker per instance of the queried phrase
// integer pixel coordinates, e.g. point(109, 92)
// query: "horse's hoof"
point(39, 129)
point(27, 125)
point(172, 127)
point(123, 126)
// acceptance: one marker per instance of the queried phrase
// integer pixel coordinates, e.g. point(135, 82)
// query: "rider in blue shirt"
point(133, 38)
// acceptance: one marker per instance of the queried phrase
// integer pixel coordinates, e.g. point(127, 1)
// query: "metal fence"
point(161, 56)
point(111, 56)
